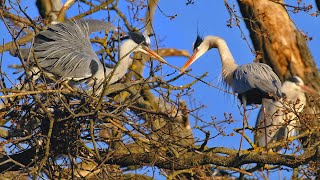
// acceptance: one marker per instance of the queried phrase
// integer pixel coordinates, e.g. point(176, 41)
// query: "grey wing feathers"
point(65, 49)
point(256, 75)
point(97, 25)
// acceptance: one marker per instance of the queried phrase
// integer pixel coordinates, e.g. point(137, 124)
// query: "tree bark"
point(283, 47)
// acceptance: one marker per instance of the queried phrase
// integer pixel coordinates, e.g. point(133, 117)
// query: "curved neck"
point(228, 63)
point(124, 62)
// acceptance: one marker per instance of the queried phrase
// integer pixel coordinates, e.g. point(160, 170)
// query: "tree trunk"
point(283, 47)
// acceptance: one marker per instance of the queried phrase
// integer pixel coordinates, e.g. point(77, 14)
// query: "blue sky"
point(211, 18)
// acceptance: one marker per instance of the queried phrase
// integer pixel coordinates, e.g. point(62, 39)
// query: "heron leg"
point(244, 122)
point(265, 126)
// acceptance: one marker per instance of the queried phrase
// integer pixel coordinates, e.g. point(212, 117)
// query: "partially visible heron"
point(64, 50)
point(253, 82)
point(279, 123)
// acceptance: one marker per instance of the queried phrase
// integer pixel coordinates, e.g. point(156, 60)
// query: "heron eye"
point(147, 39)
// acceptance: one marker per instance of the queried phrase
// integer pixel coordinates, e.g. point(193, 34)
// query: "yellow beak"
point(153, 54)
point(191, 60)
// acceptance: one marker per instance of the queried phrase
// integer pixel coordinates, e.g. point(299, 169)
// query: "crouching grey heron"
point(64, 50)
point(253, 82)
point(279, 123)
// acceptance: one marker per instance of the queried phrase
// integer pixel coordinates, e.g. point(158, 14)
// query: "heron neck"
point(124, 62)
point(228, 63)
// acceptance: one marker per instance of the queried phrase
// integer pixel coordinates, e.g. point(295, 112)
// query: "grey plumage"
point(256, 81)
point(65, 51)
point(281, 125)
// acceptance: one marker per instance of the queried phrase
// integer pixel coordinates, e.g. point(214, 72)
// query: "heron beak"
point(191, 60)
point(309, 90)
point(153, 54)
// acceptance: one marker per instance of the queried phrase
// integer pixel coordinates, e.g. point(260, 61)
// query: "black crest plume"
point(199, 39)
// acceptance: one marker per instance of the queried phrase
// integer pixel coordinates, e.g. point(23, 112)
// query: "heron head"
point(295, 86)
point(197, 43)
point(200, 46)
point(296, 79)
point(143, 43)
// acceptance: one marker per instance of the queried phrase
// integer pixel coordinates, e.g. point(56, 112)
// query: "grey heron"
point(279, 123)
point(64, 50)
point(252, 82)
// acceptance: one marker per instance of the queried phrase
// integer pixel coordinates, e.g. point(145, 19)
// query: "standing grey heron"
point(253, 82)
point(64, 50)
point(279, 123)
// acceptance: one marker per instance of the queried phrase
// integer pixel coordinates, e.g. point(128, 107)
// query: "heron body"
point(252, 82)
point(64, 50)
point(280, 124)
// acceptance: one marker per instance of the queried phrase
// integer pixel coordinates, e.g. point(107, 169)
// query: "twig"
point(93, 140)
point(93, 10)
point(64, 9)
point(123, 17)
point(32, 93)
point(239, 130)
point(15, 17)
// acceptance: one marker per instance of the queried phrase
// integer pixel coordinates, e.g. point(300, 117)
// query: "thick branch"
point(166, 52)
point(192, 159)
point(15, 17)
point(135, 155)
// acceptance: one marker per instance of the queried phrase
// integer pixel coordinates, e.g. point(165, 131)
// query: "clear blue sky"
point(211, 18)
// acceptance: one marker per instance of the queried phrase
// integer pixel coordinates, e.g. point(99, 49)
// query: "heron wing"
point(65, 49)
point(256, 76)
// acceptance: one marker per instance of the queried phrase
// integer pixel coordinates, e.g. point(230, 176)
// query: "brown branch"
point(123, 17)
point(127, 156)
point(14, 17)
point(93, 10)
point(32, 93)
point(195, 159)
point(152, 5)
point(20, 41)
point(64, 9)
point(166, 52)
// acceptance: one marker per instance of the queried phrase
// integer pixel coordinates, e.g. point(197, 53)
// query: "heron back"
point(65, 49)
point(256, 81)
